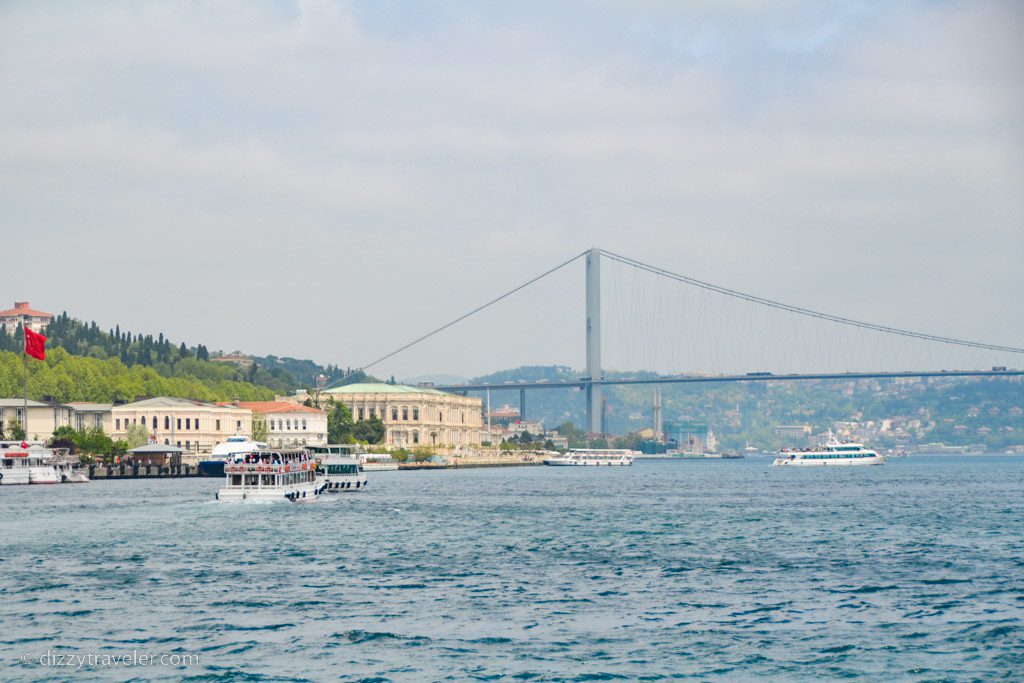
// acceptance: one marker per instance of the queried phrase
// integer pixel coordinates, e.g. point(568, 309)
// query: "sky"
point(330, 180)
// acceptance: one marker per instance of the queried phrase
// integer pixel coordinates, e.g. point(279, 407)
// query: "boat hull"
point(211, 468)
point(829, 462)
point(301, 493)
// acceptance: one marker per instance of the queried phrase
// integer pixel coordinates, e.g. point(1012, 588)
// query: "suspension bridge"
point(704, 324)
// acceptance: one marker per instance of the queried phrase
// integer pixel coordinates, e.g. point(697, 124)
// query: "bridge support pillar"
point(522, 403)
point(594, 402)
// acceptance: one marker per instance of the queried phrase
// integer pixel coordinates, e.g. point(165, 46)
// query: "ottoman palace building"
point(415, 416)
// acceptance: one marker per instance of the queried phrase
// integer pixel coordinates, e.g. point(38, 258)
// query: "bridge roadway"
point(582, 383)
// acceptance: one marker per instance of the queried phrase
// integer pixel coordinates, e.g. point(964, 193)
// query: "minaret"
point(656, 409)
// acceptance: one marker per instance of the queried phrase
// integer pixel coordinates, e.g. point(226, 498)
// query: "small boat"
point(592, 457)
point(69, 470)
point(27, 463)
point(227, 450)
point(832, 453)
point(378, 462)
point(340, 467)
point(271, 476)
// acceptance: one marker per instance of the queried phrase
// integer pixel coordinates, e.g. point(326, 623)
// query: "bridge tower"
point(595, 406)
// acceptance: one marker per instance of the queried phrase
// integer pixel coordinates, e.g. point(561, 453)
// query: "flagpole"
point(24, 415)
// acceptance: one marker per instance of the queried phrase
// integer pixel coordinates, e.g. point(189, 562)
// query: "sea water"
point(667, 570)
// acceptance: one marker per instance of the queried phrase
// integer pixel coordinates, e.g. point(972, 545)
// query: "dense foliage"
point(64, 377)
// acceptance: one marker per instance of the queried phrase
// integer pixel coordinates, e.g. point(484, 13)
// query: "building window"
point(238, 425)
point(117, 424)
point(154, 423)
point(142, 420)
point(177, 421)
point(218, 425)
point(360, 418)
point(415, 436)
point(415, 413)
point(462, 416)
point(188, 445)
point(405, 414)
point(440, 416)
point(303, 426)
point(167, 422)
point(167, 442)
point(394, 414)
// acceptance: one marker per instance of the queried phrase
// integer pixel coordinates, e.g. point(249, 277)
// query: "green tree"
point(339, 424)
point(369, 431)
point(138, 435)
point(15, 430)
point(260, 429)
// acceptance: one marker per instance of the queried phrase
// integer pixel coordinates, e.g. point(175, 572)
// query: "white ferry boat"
point(593, 457)
point(269, 476)
point(832, 453)
point(340, 467)
point(24, 463)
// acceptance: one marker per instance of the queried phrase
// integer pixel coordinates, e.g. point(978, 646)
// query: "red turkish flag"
point(24, 444)
point(35, 344)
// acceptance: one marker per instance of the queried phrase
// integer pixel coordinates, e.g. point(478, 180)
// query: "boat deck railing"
point(267, 468)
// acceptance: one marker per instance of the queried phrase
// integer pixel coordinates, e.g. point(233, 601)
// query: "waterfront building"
point(42, 419)
point(194, 426)
point(88, 415)
point(25, 316)
point(415, 416)
point(290, 424)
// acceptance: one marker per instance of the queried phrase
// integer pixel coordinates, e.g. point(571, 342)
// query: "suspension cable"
point(804, 311)
point(476, 310)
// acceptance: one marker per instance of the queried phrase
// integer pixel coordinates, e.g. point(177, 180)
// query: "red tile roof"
point(21, 308)
point(273, 407)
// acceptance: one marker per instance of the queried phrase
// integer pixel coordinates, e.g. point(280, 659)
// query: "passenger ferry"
point(226, 451)
point(339, 466)
point(593, 457)
point(270, 476)
point(24, 463)
point(831, 453)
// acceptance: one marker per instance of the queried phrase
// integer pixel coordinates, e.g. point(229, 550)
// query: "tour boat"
point(24, 463)
point(225, 451)
point(339, 466)
point(593, 457)
point(831, 453)
point(272, 475)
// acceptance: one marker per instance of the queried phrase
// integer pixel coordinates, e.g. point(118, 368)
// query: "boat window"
point(236, 479)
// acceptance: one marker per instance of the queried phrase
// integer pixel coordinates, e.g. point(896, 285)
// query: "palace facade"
point(415, 416)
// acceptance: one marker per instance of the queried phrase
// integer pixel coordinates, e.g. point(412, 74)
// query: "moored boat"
point(270, 476)
point(592, 457)
point(25, 463)
point(226, 451)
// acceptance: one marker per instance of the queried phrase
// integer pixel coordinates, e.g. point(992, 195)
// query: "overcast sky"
point(331, 179)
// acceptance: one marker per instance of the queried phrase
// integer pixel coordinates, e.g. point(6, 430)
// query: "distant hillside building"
point(793, 431)
point(289, 424)
point(415, 416)
point(191, 425)
point(25, 316)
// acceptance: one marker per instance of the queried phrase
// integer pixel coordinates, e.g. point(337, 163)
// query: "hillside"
point(955, 411)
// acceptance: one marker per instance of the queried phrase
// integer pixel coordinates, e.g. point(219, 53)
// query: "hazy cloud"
point(329, 180)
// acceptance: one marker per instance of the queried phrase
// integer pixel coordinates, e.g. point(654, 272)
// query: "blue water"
point(713, 570)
